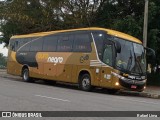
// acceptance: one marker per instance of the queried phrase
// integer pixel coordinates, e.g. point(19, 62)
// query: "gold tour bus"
point(87, 56)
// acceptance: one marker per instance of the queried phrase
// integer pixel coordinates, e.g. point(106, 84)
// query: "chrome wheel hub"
point(85, 82)
point(25, 76)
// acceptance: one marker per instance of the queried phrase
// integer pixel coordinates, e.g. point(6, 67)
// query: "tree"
point(3, 61)
point(154, 27)
point(28, 16)
point(122, 15)
point(22, 17)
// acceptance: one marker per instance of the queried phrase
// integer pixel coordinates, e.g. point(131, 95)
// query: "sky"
point(3, 50)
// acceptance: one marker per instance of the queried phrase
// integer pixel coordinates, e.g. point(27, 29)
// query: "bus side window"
point(82, 42)
point(50, 43)
point(36, 44)
point(11, 45)
point(25, 45)
point(99, 38)
point(16, 45)
point(65, 43)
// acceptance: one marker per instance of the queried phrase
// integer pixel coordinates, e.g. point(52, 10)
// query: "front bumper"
point(129, 83)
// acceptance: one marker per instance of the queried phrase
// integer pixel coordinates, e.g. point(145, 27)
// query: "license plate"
point(133, 86)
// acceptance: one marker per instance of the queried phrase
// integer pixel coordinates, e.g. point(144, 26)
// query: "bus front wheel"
point(25, 76)
point(85, 82)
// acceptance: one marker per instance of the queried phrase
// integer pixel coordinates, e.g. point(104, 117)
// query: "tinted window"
point(15, 44)
point(82, 42)
point(36, 44)
point(25, 44)
point(98, 38)
point(65, 43)
point(12, 45)
point(50, 43)
point(107, 55)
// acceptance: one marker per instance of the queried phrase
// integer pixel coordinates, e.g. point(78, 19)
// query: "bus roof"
point(109, 31)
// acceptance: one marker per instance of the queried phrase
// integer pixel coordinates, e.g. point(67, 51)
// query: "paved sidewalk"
point(153, 89)
point(3, 73)
point(150, 91)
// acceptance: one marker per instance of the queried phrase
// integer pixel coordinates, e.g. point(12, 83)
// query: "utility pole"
point(145, 27)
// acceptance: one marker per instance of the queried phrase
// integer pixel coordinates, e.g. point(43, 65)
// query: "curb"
point(12, 77)
point(141, 94)
point(150, 95)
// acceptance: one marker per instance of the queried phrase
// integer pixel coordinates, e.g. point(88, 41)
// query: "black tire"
point(112, 91)
point(25, 75)
point(85, 82)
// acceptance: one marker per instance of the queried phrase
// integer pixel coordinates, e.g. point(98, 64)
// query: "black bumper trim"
point(128, 83)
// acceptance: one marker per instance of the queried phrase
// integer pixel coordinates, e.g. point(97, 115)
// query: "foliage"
point(153, 79)
point(3, 61)
point(28, 16)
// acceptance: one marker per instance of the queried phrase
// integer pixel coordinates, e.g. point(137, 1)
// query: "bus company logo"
point(42, 56)
point(55, 60)
point(83, 58)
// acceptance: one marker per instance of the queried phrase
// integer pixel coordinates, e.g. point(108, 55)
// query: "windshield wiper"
point(122, 69)
point(129, 61)
point(138, 63)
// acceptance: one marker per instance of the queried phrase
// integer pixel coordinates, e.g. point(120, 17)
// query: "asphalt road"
point(16, 95)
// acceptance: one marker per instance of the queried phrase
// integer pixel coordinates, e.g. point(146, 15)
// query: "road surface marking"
point(53, 98)
point(139, 101)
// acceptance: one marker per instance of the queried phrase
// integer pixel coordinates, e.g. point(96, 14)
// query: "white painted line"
point(139, 101)
point(53, 98)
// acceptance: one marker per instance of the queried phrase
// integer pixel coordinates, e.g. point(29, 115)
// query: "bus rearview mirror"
point(151, 54)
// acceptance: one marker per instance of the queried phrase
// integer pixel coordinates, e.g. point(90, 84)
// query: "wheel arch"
point(85, 71)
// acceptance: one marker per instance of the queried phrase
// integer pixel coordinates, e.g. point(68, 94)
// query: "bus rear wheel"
point(85, 82)
point(25, 75)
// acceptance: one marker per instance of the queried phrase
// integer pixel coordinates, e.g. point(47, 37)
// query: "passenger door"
point(107, 66)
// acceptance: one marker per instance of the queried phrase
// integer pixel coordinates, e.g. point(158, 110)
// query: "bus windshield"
point(131, 58)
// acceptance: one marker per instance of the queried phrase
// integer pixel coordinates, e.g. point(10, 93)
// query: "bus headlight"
point(117, 84)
